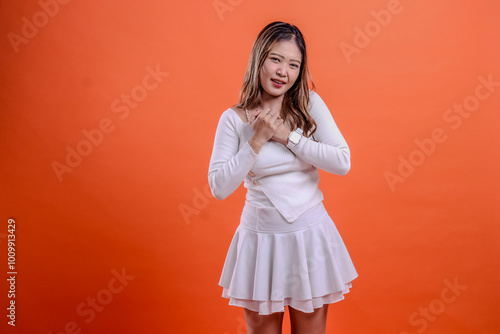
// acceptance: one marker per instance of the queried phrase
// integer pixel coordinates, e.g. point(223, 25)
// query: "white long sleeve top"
point(282, 176)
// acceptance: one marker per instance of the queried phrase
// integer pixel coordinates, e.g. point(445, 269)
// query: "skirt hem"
point(266, 307)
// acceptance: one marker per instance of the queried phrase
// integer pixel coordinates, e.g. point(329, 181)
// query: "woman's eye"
point(275, 59)
point(295, 66)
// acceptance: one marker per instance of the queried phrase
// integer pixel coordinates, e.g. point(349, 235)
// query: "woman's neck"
point(270, 102)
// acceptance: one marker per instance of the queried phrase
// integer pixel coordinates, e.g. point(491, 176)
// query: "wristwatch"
point(294, 137)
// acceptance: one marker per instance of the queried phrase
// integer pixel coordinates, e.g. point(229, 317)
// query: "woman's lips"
point(278, 83)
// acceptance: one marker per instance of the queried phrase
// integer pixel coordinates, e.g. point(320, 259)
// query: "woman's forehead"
point(287, 49)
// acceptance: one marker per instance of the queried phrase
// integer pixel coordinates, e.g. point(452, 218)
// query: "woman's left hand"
point(281, 134)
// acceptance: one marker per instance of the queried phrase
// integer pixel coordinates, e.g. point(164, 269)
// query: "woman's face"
point(280, 69)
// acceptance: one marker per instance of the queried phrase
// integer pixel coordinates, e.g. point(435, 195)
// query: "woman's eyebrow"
point(277, 54)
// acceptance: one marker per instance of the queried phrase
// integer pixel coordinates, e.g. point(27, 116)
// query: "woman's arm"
point(228, 164)
point(330, 152)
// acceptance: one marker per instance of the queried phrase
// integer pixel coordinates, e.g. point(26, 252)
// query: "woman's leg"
point(263, 324)
point(308, 323)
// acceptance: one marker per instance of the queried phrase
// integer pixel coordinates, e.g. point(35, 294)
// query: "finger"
point(278, 123)
point(256, 115)
point(252, 118)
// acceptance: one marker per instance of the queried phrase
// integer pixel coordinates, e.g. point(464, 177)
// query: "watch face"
point(295, 137)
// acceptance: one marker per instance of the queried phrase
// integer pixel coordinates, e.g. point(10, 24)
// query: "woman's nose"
point(281, 70)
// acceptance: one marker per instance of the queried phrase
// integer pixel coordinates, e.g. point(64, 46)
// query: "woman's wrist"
point(281, 136)
point(256, 144)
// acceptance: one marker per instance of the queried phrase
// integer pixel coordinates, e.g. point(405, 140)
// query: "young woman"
point(286, 250)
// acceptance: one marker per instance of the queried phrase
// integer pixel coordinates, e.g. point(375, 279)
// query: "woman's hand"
point(264, 125)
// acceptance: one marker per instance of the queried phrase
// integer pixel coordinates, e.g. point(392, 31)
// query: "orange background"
point(138, 200)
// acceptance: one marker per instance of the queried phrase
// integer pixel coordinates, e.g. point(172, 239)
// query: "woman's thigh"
point(308, 323)
point(263, 324)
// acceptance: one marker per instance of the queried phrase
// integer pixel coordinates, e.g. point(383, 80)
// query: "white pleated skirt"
point(272, 263)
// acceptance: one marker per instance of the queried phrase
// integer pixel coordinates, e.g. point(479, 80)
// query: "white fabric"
point(294, 171)
point(271, 263)
point(286, 250)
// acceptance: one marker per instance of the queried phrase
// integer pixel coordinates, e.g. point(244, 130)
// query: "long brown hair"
point(296, 99)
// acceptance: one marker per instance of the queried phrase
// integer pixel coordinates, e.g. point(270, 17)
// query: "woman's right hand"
point(263, 124)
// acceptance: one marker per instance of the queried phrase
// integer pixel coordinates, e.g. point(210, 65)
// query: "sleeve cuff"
point(252, 152)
